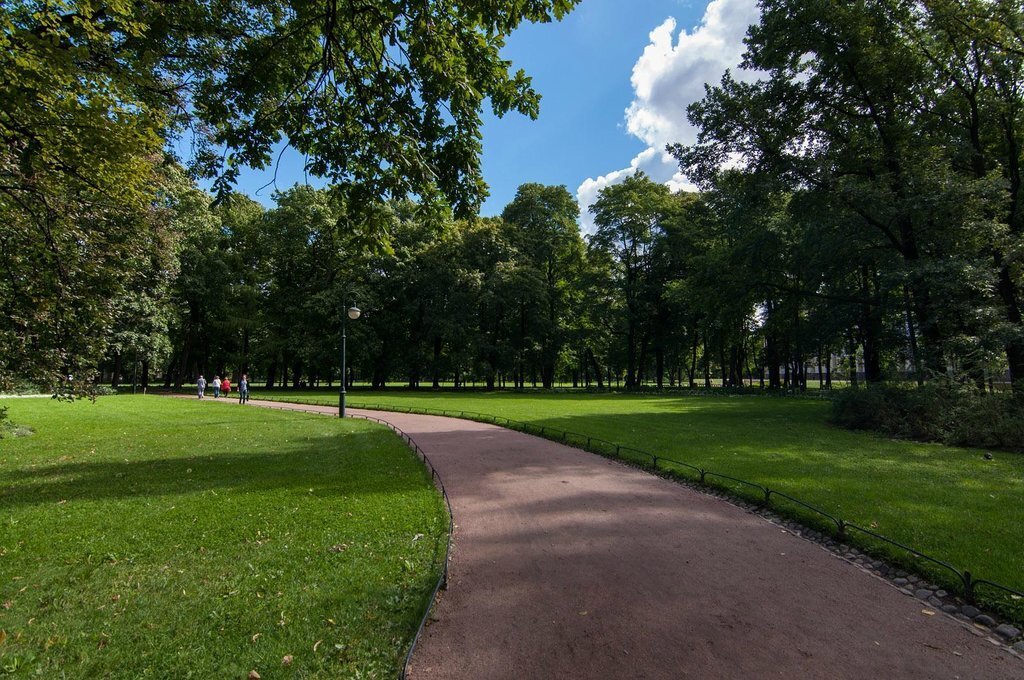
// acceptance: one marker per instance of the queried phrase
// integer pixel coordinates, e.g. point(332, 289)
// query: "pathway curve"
point(568, 565)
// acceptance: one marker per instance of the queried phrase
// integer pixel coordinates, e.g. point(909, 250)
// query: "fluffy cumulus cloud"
point(668, 77)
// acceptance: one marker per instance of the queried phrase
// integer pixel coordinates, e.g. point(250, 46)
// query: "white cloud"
point(653, 161)
point(669, 76)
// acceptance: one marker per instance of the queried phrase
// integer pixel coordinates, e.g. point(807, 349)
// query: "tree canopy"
point(860, 208)
point(383, 98)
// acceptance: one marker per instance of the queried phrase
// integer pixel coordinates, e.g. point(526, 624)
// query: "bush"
point(946, 412)
point(9, 429)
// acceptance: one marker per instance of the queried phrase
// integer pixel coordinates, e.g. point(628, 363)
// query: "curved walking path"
point(568, 565)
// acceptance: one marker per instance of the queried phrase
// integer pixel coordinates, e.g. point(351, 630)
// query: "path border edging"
point(837, 544)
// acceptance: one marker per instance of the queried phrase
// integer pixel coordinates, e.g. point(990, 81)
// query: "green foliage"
point(630, 220)
point(149, 537)
point(6, 426)
point(897, 134)
point(80, 125)
point(942, 411)
point(541, 225)
point(384, 99)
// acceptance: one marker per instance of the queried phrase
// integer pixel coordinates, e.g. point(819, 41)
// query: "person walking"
point(243, 389)
point(225, 385)
point(201, 386)
point(216, 386)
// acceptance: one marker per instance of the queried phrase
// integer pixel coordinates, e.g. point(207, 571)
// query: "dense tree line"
point(879, 158)
point(742, 285)
point(656, 296)
point(383, 97)
point(860, 214)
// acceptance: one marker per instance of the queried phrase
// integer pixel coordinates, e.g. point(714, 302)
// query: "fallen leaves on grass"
point(286, 660)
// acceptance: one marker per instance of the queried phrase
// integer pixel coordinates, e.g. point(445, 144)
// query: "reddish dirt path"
point(567, 565)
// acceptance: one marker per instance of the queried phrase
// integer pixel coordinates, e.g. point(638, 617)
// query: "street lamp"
point(353, 313)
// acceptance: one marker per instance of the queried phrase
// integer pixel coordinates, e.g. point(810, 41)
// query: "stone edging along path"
point(566, 564)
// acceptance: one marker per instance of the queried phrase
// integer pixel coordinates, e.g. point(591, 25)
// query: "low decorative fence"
point(968, 584)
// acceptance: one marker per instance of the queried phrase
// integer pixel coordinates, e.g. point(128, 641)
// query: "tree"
point(382, 97)
point(884, 114)
point(541, 222)
point(629, 217)
point(198, 290)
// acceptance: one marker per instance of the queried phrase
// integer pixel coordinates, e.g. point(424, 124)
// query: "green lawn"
point(157, 537)
point(948, 502)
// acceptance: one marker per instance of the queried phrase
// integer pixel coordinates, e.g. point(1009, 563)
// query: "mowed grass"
point(167, 538)
point(948, 502)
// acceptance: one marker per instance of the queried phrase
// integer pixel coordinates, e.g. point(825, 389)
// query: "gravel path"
point(568, 565)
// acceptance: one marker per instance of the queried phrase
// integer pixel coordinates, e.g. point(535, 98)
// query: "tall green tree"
point(382, 97)
point(883, 113)
point(629, 218)
point(542, 225)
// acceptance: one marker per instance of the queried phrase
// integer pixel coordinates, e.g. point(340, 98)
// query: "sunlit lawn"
point(157, 537)
point(945, 501)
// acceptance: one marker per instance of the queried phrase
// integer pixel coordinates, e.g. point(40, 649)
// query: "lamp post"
point(352, 313)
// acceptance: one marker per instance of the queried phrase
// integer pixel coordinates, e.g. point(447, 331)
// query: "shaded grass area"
point(945, 501)
point(151, 537)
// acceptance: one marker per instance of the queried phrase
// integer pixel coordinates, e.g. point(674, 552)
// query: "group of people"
point(224, 386)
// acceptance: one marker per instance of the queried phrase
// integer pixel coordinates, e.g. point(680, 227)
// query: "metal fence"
point(966, 581)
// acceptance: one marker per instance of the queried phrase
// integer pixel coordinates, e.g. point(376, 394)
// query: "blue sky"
point(582, 67)
point(615, 78)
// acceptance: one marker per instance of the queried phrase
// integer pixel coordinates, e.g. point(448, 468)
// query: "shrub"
point(9, 429)
point(948, 412)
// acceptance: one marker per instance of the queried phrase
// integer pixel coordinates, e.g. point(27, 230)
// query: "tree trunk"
point(436, 383)
point(692, 373)
point(707, 364)
point(183, 367)
point(771, 357)
point(115, 379)
point(853, 360)
point(821, 379)
point(871, 329)
point(597, 368)
point(912, 338)
point(169, 373)
point(630, 354)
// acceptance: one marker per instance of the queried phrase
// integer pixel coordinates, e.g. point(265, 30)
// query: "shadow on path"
point(568, 565)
